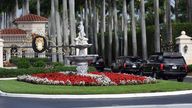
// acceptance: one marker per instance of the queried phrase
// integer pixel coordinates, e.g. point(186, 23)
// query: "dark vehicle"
point(99, 63)
point(127, 64)
point(166, 65)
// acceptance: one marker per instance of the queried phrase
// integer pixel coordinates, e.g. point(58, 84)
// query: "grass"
point(13, 86)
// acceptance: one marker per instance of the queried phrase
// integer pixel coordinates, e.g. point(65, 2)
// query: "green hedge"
point(15, 72)
point(32, 61)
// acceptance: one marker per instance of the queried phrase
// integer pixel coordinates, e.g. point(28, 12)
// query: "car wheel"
point(180, 79)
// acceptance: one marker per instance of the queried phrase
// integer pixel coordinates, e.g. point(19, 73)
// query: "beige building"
point(18, 40)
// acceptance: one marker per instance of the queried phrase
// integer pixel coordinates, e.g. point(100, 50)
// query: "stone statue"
point(81, 40)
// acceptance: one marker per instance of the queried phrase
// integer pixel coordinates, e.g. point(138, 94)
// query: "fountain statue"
point(81, 58)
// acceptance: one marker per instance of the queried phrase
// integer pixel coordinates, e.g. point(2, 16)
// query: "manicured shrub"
point(23, 63)
point(39, 63)
point(32, 70)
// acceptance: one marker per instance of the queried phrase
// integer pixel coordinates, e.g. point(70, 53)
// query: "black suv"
point(166, 65)
point(127, 64)
point(98, 63)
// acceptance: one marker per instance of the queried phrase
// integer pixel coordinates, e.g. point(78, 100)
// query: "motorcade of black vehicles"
point(166, 65)
point(127, 64)
point(98, 63)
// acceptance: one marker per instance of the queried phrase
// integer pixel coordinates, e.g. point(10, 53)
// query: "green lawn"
point(13, 86)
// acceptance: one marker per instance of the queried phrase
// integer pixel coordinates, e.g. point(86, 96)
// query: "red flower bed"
point(117, 77)
point(93, 78)
point(74, 79)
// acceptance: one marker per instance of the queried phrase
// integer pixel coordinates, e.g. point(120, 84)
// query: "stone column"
point(184, 43)
point(1, 53)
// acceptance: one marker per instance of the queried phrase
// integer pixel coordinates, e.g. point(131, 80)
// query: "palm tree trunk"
point(143, 30)
point(38, 8)
point(116, 29)
point(103, 30)
point(65, 29)
point(95, 28)
point(176, 9)
point(134, 38)
point(16, 9)
point(125, 28)
point(53, 32)
point(157, 30)
point(25, 7)
point(86, 19)
point(169, 26)
point(110, 34)
point(72, 22)
point(190, 10)
point(90, 28)
point(58, 27)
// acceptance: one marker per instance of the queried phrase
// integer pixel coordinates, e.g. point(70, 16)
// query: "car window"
point(174, 60)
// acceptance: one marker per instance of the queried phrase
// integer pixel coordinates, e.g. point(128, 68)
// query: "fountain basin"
point(83, 46)
point(81, 58)
point(81, 62)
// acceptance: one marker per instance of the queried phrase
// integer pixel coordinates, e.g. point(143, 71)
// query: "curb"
point(100, 96)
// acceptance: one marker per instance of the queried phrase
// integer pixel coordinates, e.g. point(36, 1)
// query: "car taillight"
point(186, 67)
point(161, 67)
point(124, 65)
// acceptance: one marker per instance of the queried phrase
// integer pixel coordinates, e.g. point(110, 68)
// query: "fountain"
point(81, 58)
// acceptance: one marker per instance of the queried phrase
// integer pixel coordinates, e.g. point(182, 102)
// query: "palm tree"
point(189, 2)
point(125, 27)
point(58, 29)
point(25, 7)
point(38, 8)
point(143, 30)
point(72, 22)
point(110, 21)
point(134, 38)
point(103, 29)
point(86, 18)
point(53, 33)
point(168, 19)
point(115, 28)
point(65, 28)
point(157, 30)
point(95, 28)
point(176, 9)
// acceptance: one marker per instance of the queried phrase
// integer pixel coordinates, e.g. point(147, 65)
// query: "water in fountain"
point(81, 58)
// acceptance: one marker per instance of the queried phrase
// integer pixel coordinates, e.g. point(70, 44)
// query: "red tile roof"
point(31, 17)
point(11, 31)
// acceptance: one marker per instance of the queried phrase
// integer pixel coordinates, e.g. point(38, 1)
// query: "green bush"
point(32, 61)
point(23, 63)
point(39, 63)
point(15, 72)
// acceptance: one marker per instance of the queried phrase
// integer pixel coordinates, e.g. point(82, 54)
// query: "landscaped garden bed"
point(90, 79)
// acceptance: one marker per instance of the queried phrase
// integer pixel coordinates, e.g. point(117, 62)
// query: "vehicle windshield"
point(174, 60)
point(133, 60)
